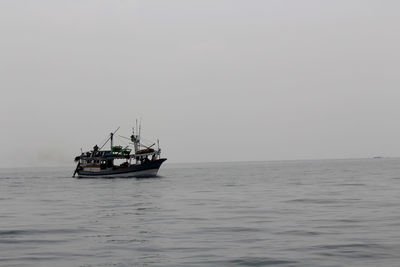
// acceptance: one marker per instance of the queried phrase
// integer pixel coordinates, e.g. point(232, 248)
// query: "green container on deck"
point(116, 149)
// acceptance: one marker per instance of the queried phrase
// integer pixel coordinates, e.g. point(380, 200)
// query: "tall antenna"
point(140, 127)
point(136, 137)
point(158, 149)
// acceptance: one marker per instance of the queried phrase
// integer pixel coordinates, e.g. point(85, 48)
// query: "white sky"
point(219, 80)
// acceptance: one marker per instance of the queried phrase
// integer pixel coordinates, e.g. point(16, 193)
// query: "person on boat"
point(95, 148)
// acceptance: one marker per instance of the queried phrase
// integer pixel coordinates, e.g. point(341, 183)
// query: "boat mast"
point(158, 148)
point(140, 131)
point(135, 138)
point(136, 142)
point(111, 140)
point(140, 127)
point(111, 137)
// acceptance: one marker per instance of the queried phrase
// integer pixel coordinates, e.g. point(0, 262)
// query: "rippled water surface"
point(293, 213)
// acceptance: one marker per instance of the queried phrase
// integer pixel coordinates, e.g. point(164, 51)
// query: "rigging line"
point(109, 138)
point(147, 140)
point(121, 140)
point(104, 141)
point(124, 137)
point(148, 146)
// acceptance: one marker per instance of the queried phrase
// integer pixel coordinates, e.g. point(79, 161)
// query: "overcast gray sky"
point(219, 80)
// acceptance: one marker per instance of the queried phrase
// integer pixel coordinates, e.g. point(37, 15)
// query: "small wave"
point(257, 261)
point(230, 229)
point(356, 245)
point(27, 259)
point(300, 233)
point(352, 184)
point(15, 232)
point(29, 241)
point(355, 251)
point(312, 201)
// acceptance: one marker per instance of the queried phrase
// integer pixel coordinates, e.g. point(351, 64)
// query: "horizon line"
point(208, 162)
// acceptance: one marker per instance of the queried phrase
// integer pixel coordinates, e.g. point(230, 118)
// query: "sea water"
point(287, 213)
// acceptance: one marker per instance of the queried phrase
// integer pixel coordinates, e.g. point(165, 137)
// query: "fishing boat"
point(119, 161)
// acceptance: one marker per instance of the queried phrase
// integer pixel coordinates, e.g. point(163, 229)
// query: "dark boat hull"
point(148, 169)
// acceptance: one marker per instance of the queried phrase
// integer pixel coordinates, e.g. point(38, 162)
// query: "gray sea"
point(283, 213)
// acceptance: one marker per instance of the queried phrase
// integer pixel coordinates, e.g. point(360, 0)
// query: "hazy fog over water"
point(252, 80)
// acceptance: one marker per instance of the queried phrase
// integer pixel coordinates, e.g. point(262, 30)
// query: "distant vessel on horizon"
point(144, 162)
